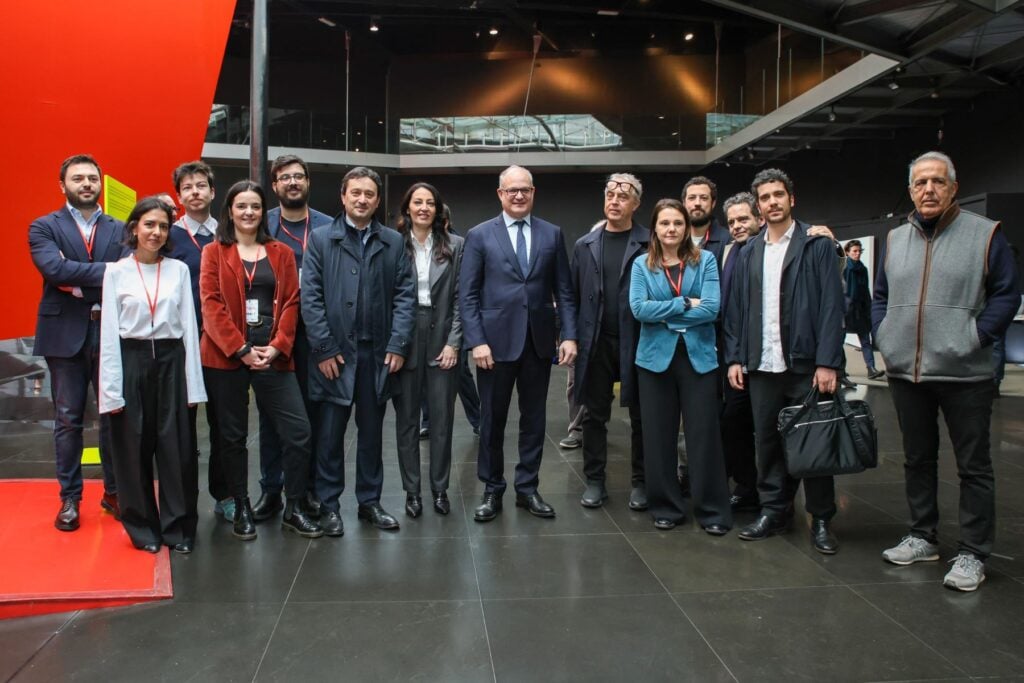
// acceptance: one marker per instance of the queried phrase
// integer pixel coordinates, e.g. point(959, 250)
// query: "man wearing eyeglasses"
point(601, 264)
point(290, 223)
point(514, 268)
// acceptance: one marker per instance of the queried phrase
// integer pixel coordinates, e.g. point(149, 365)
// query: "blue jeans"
point(866, 350)
point(69, 384)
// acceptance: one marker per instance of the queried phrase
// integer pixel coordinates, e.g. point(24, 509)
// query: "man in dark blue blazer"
point(71, 248)
point(514, 269)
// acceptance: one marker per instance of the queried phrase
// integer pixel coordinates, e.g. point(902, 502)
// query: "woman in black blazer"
point(430, 370)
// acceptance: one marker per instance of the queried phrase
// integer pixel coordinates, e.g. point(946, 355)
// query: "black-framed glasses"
point(621, 185)
point(288, 177)
point(513, 191)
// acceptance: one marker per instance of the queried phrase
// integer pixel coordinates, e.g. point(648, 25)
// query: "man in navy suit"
point(514, 269)
point(71, 248)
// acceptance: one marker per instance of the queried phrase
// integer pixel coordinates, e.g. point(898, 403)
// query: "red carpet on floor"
point(44, 570)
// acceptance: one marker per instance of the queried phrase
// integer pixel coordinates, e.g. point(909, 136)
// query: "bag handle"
point(809, 400)
point(859, 444)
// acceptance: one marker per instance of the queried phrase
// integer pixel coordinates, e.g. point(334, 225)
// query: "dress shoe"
point(535, 504)
point(425, 433)
point(268, 505)
point(874, 373)
point(109, 503)
point(441, 503)
point(594, 495)
point(67, 518)
point(331, 523)
point(312, 505)
point(716, 530)
point(822, 539)
point(746, 503)
point(489, 507)
point(244, 524)
point(185, 547)
point(638, 498)
point(151, 548)
point(664, 524)
point(413, 505)
point(847, 383)
point(377, 516)
point(297, 520)
point(763, 527)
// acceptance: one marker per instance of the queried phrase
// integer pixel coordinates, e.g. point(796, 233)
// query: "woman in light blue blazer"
point(674, 294)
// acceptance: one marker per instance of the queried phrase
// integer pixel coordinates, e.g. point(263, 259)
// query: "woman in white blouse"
point(150, 374)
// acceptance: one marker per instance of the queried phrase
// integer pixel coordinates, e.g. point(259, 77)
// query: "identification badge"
point(252, 311)
point(300, 277)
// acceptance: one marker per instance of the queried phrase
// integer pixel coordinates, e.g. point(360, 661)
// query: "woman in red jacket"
point(249, 288)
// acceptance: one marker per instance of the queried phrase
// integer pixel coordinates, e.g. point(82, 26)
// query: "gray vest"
point(936, 291)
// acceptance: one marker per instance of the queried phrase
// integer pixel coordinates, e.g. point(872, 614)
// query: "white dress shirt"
point(513, 232)
point(126, 315)
point(194, 227)
point(772, 359)
point(423, 253)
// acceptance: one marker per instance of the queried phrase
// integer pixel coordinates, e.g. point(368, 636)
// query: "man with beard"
point(71, 248)
point(290, 223)
point(194, 183)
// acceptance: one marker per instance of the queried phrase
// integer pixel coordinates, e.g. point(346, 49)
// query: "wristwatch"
point(243, 352)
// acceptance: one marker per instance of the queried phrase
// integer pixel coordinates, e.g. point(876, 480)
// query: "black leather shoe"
point(763, 527)
point(489, 507)
point(535, 504)
point(664, 524)
point(312, 505)
point(638, 498)
point(151, 548)
point(185, 547)
point(268, 505)
point(67, 518)
point(296, 520)
point(331, 523)
point(874, 373)
point(109, 503)
point(441, 503)
point(375, 515)
point(594, 495)
point(413, 505)
point(747, 503)
point(244, 525)
point(822, 539)
point(716, 529)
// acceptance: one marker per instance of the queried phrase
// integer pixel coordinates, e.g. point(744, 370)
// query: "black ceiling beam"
point(875, 8)
point(1010, 52)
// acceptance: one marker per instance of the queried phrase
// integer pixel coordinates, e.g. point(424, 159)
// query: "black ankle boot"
point(296, 520)
point(245, 527)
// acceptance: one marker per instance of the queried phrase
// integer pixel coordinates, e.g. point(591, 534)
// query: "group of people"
point(712, 327)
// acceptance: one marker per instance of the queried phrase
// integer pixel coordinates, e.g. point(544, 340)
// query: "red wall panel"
point(129, 81)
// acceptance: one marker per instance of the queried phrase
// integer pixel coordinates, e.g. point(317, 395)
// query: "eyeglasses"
point(616, 185)
point(288, 177)
point(513, 191)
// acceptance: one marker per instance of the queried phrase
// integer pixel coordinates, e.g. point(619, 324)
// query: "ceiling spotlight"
point(688, 36)
point(832, 115)
point(493, 31)
point(661, 118)
point(934, 94)
point(326, 22)
point(374, 26)
point(893, 85)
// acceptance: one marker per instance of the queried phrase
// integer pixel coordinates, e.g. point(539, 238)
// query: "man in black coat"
point(601, 264)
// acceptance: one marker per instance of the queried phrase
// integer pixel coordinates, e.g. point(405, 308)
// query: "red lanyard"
point(82, 229)
point(677, 285)
point(156, 294)
point(305, 235)
point(184, 225)
point(255, 264)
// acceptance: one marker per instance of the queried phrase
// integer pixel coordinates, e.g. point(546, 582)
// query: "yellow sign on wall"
point(119, 199)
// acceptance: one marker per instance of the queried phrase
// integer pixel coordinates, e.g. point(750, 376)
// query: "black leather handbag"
point(823, 438)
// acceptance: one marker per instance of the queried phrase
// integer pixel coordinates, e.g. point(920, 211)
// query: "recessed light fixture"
point(326, 22)
point(893, 85)
point(661, 118)
point(493, 31)
point(688, 36)
point(607, 12)
point(374, 26)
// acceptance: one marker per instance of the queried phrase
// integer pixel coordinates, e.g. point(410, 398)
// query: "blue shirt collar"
point(80, 219)
point(510, 222)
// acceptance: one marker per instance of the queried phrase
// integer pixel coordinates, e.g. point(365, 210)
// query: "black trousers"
point(598, 395)
point(737, 427)
point(271, 471)
point(770, 393)
point(529, 375)
point(216, 484)
point(664, 396)
point(967, 409)
point(277, 395)
point(155, 424)
point(333, 421)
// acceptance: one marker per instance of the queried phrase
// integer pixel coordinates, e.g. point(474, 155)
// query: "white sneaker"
point(910, 550)
point(967, 573)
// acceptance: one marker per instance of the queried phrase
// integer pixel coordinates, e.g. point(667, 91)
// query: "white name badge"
point(300, 277)
point(252, 311)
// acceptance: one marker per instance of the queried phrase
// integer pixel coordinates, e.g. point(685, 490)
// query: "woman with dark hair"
point(150, 375)
point(430, 369)
point(249, 288)
point(674, 293)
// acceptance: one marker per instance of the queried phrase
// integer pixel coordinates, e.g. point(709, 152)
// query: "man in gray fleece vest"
point(945, 290)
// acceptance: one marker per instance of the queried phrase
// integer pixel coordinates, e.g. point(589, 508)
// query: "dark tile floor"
point(592, 595)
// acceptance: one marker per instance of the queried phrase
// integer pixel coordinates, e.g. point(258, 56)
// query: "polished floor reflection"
point(593, 595)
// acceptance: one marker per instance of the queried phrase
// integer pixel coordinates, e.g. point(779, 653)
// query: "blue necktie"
point(521, 251)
